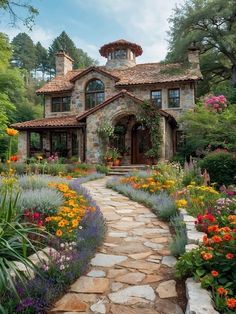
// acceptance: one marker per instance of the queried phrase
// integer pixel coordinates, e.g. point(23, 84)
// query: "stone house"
point(77, 102)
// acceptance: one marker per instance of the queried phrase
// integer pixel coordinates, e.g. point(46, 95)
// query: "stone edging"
point(199, 299)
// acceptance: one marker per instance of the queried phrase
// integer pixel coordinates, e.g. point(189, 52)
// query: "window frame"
point(118, 55)
point(159, 106)
point(94, 94)
point(170, 105)
point(61, 104)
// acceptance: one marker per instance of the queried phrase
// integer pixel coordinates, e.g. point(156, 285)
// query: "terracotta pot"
point(116, 162)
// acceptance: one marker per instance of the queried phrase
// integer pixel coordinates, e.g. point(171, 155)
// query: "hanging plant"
point(105, 130)
point(150, 116)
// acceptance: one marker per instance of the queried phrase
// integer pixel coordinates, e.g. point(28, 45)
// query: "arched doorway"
point(141, 143)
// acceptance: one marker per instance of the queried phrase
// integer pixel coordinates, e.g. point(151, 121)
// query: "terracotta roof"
point(60, 83)
point(122, 93)
point(121, 43)
point(151, 73)
point(59, 122)
point(146, 73)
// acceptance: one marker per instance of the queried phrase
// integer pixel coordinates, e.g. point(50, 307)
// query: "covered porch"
point(63, 136)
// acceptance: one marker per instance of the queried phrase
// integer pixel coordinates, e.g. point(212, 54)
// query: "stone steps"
point(123, 170)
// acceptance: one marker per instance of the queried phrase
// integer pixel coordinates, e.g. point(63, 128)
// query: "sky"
point(93, 23)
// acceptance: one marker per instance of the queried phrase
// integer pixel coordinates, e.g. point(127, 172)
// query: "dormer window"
point(94, 93)
point(120, 54)
point(61, 104)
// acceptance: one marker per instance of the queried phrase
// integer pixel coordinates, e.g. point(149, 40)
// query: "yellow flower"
point(181, 203)
point(11, 132)
point(75, 223)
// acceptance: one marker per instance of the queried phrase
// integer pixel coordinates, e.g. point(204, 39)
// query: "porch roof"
point(47, 123)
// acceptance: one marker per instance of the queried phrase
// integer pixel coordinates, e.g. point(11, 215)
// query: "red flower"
point(214, 273)
point(227, 237)
point(222, 291)
point(216, 239)
point(231, 303)
point(229, 256)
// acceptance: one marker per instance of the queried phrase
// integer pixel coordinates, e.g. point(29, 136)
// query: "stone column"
point(23, 145)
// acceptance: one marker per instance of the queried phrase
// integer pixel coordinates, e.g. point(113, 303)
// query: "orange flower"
point(222, 291)
point(206, 256)
point(59, 233)
point(214, 273)
point(205, 240)
point(11, 132)
point(231, 303)
point(213, 228)
point(216, 239)
point(227, 237)
point(229, 256)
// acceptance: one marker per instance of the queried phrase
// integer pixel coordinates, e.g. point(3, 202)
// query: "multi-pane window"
point(60, 104)
point(156, 98)
point(174, 98)
point(120, 54)
point(94, 94)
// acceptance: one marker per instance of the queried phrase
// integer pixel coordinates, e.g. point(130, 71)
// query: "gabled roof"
point(93, 69)
point(146, 73)
point(122, 93)
point(55, 122)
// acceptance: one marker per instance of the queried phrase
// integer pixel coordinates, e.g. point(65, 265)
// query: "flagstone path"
point(132, 273)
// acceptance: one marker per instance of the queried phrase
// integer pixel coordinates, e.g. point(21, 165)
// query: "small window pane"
point(120, 54)
point(157, 98)
point(174, 98)
point(60, 104)
point(56, 107)
point(100, 98)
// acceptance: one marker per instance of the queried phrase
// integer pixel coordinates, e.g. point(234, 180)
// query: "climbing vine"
point(150, 116)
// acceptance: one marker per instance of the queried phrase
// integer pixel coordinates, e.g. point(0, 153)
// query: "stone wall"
point(64, 63)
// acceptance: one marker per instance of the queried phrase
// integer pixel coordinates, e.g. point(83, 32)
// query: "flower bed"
point(75, 229)
point(210, 219)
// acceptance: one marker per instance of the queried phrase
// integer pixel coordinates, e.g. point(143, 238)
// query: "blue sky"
point(92, 23)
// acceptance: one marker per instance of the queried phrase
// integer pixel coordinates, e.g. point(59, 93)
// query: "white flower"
point(80, 227)
point(62, 267)
point(62, 245)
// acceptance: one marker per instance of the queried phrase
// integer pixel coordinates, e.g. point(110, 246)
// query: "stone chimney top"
point(193, 56)
point(64, 63)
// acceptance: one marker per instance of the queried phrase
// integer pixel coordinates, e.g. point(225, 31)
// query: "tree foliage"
point(64, 42)
point(24, 52)
point(207, 130)
point(212, 24)
point(19, 10)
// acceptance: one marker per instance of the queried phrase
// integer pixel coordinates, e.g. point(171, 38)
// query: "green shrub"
point(177, 246)
point(45, 200)
point(102, 169)
point(37, 181)
point(221, 167)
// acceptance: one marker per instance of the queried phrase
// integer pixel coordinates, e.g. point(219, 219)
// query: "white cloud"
point(45, 36)
point(142, 21)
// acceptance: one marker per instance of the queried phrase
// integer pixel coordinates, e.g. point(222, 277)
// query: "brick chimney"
point(193, 56)
point(64, 63)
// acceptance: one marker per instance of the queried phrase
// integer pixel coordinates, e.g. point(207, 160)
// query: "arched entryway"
point(141, 143)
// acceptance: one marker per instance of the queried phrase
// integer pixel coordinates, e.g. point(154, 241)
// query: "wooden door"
point(141, 143)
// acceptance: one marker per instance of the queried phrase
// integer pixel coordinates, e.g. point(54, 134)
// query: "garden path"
point(132, 273)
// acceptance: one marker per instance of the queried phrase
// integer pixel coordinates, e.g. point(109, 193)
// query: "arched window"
point(94, 94)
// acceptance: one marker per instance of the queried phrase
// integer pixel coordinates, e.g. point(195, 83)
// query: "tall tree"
point(64, 42)
point(212, 24)
point(24, 52)
point(42, 59)
point(19, 10)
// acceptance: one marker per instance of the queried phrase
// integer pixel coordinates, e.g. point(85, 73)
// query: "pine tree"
point(42, 59)
point(24, 52)
point(64, 42)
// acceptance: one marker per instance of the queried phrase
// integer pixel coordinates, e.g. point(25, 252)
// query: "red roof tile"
point(55, 122)
point(121, 43)
point(146, 73)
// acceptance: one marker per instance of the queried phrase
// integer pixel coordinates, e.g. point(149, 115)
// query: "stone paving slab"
point(132, 272)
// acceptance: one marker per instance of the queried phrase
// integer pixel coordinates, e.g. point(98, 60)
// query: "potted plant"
point(151, 157)
point(109, 157)
point(116, 157)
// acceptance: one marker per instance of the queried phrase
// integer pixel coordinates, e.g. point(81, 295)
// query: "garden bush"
point(102, 169)
point(44, 200)
point(221, 167)
point(177, 246)
point(38, 181)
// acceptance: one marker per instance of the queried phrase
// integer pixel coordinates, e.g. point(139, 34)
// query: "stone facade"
point(23, 145)
point(116, 109)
